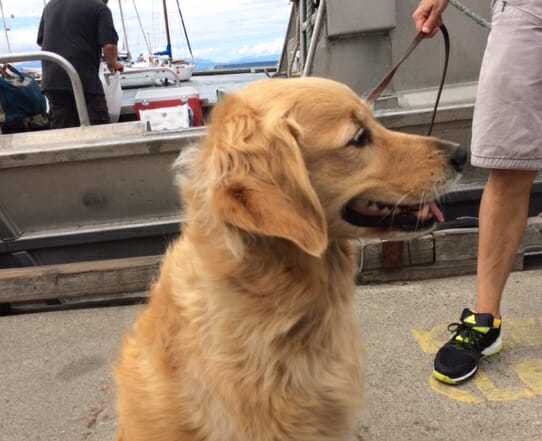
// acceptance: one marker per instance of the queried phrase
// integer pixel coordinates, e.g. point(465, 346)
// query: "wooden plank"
point(422, 272)
point(455, 253)
point(75, 280)
point(532, 239)
point(422, 250)
point(417, 251)
point(456, 244)
point(443, 254)
point(417, 272)
point(461, 244)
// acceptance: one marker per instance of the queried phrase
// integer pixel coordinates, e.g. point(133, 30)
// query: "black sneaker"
point(475, 337)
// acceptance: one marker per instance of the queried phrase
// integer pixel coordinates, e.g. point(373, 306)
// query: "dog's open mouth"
point(366, 213)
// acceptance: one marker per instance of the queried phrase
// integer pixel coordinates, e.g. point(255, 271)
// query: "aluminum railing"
point(77, 86)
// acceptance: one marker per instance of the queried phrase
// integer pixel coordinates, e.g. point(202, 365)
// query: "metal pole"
point(302, 34)
point(168, 49)
point(77, 86)
point(5, 26)
point(314, 40)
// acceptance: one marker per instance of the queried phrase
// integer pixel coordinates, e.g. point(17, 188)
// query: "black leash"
point(384, 83)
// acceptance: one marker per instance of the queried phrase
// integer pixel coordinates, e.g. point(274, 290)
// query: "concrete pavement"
point(56, 383)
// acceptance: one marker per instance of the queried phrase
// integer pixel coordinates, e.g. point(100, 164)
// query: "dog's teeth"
point(424, 212)
point(373, 207)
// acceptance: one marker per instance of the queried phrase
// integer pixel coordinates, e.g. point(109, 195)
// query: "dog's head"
point(304, 160)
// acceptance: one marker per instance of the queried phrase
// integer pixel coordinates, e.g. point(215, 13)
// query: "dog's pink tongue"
point(436, 211)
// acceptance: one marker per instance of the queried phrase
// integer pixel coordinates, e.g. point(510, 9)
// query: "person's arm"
point(428, 16)
point(111, 57)
point(107, 38)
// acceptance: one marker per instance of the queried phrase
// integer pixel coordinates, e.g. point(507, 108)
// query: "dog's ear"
point(264, 186)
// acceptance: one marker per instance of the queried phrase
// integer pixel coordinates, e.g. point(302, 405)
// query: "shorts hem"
point(506, 163)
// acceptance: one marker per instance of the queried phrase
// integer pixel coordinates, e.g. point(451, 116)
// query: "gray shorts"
point(507, 124)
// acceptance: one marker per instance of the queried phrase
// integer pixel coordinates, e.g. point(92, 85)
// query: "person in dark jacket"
point(78, 30)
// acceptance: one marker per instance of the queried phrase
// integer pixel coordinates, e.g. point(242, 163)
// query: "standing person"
point(506, 139)
point(78, 30)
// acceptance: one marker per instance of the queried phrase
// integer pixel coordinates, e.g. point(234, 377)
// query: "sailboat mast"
point(5, 26)
point(168, 49)
point(124, 31)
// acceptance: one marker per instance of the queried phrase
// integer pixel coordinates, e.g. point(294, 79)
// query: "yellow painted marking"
point(517, 333)
point(455, 393)
point(431, 340)
point(493, 393)
point(524, 332)
point(530, 373)
point(527, 332)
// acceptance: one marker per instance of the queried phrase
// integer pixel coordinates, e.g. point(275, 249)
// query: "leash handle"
point(377, 91)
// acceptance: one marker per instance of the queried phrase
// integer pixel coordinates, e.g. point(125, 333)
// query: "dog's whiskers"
point(420, 206)
point(397, 205)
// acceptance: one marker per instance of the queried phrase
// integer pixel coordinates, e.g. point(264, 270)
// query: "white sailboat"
point(160, 68)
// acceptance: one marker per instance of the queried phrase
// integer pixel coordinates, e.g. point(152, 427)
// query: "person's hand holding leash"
point(428, 16)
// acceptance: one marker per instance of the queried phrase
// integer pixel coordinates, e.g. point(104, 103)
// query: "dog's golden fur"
point(250, 333)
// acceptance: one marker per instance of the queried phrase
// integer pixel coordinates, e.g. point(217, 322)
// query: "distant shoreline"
point(205, 66)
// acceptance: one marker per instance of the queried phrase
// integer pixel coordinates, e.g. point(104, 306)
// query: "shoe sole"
point(493, 349)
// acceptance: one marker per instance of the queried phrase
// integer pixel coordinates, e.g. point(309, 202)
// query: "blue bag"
point(20, 96)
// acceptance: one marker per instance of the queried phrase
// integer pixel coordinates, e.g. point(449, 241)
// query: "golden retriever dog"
point(250, 332)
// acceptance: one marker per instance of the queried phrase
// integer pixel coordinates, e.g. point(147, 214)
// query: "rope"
point(481, 21)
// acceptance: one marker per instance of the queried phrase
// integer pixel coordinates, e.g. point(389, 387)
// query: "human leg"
point(97, 109)
point(62, 109)
point(506, 134)
point(503, 215)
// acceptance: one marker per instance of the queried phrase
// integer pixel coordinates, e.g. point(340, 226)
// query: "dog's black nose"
point(458, 158)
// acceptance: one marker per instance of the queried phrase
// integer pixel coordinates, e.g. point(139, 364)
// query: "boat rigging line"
point(185, 33)
point(142, 30)
point(5, 26)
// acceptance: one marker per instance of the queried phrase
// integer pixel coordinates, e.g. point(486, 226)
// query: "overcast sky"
point(219, 30)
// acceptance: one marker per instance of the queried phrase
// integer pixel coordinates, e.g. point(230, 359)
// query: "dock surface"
point(56, 376)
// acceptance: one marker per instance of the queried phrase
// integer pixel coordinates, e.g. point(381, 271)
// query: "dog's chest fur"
point(266, 367)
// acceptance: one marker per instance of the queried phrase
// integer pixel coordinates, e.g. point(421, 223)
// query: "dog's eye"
point(361, 139)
